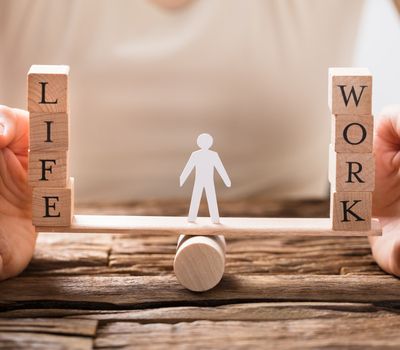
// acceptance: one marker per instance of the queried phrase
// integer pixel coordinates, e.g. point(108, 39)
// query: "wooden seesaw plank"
point(228, 226)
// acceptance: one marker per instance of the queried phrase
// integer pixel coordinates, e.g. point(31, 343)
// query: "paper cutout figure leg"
point(204, 161)
point(195, 203)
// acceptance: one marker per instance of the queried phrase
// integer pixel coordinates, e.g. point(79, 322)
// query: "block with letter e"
point(351, 211)
point(350, 91)
point(53, 206)
point(48, 89)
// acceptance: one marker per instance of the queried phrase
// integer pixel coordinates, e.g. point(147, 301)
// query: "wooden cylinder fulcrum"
point(200, 261)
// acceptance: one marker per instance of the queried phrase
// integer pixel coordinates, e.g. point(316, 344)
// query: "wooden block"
point(352, 133)
point(48, 89)
point(230, 227)
point(350, 91)
point(351, 211)
point(199, 262)
point(48, 169)
point(48, 131)
point(53, 206)
point(351, 172)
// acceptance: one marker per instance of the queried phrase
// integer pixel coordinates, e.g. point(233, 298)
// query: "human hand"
point(17, 235)
point(386, 197)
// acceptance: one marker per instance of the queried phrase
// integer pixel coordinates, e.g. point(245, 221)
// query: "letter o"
point(346, 133)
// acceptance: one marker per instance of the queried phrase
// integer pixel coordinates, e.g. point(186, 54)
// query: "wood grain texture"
point(53, 81)
point(249, 335)
point(141, 291)
point(48, 169)
point(49, 131)
point(256, 311)
point(53, 206)
point(352, 133)
point(350, 91)
point(43, 341)
point(203, 226)
point(80, 327)
point(273, 285)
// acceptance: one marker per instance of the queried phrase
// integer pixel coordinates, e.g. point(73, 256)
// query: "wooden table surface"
point(103, 291)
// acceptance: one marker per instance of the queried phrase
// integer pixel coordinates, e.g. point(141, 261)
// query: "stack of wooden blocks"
point(52, 188)
point(351, 161)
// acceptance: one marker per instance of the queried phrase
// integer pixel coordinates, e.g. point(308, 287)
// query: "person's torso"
point(146, 81)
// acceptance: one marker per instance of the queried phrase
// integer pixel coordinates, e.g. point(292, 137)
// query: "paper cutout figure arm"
point(187, 170)
point(222, 172)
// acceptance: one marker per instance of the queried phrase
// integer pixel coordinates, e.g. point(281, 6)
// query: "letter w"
point(352, 94)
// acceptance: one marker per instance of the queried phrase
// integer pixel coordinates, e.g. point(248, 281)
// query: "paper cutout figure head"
point(204, 141)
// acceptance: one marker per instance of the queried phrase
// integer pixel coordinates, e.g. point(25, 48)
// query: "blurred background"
point(148, 76)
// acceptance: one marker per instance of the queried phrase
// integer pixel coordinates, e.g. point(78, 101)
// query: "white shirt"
point(146, 81)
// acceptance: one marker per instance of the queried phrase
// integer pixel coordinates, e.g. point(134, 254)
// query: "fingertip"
point(1, 268)
point(21, 113)
point(390, 110)
point(7, 125)
point(395, 258)
point(386, 252)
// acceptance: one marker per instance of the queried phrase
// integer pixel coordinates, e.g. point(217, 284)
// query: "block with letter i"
point(48, 174)
point(351, 160)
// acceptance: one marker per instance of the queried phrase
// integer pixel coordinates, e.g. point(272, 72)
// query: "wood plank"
point(135, 254)
point(81, 327)
point(294, 334)
point(141, 291)
point(261, 311)
point(228, 226)
point(43, 341)
point(89, 276)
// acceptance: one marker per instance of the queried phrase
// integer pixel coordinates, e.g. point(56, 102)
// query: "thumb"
point(387, 126)
point(8, 122)
point(386, 197)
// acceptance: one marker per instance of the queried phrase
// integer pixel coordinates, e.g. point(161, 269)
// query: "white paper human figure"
point(204, 161)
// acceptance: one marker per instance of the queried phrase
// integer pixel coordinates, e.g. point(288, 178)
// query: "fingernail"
point(2, 128)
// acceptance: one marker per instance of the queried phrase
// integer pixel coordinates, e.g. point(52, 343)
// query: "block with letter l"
point(53, 206)
point(48, 89)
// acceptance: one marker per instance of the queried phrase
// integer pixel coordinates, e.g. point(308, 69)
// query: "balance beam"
point(228, 226)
